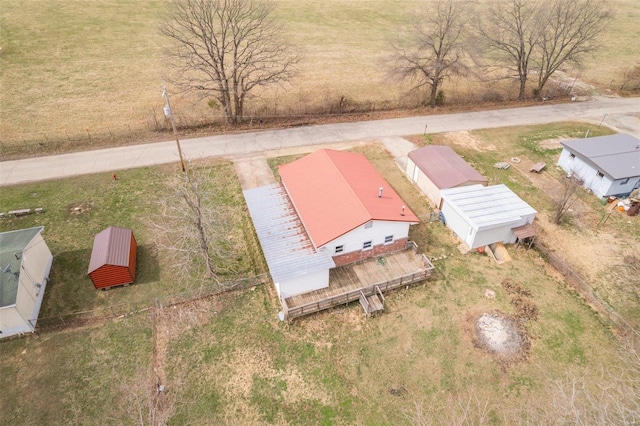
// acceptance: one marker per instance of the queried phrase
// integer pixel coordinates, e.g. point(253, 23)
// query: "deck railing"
point(351, 296)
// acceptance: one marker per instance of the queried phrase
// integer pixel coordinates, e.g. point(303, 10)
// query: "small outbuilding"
point(483, 215)
point(26, 262)
point(113, 258)
point(607, 165)
point(436, 167)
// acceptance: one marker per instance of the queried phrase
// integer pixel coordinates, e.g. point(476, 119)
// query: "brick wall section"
point(378, 250)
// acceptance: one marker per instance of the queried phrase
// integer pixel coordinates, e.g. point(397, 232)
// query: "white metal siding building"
point(482, 215)
point(26, 262)
point(608, 165)
point(296, 267)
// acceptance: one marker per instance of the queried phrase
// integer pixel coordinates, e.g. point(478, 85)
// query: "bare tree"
point(571, 32)
point(542, 36)
point(466, 408)
point(512, 34)
point(226, 48)
point(433, 50)
point(194, 227)
point(608, 395)
point(566, 197)
point(630, 77)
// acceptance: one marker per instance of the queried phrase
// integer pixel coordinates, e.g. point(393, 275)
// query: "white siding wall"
point(617, 187)
point(303, 284)
point(456, 223)
point(11, 322)
point(411, 167)
point(353, 240)
point(587, 173)
point(481, 237)
point(427, 187)
point(34, 268)
point(501, 234)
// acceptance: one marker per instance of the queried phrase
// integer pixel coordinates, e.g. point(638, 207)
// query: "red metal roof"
point(111, 247)
point(444, 167)
point(334, 192)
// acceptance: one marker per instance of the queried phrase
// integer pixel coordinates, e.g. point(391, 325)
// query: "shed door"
point(416, 170)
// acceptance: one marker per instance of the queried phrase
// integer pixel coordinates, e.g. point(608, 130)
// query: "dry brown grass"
point(75, 72)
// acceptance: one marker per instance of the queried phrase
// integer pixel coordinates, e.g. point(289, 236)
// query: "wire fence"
point(76, 319)
point(588, 293)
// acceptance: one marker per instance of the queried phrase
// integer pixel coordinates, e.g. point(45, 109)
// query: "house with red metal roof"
point(347, 208)
point(332, 208)
point(436, 167)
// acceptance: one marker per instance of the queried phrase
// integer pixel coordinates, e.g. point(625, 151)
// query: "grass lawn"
point(227, 359)
point(94, 375)
point(78, 208)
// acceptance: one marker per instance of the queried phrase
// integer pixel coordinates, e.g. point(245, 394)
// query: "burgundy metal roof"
point(111, 247)
point(444, 167)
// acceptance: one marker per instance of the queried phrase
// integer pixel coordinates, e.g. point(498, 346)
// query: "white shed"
point(26, 261)
point(436, 167)
point(482, 215)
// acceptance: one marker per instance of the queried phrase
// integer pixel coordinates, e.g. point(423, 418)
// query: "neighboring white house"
point(608, 165)
point(332, 208)
point(436, 167)
point(482, 215)
point(25, 262)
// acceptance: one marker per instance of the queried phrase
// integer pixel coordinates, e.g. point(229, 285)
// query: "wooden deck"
point(369, 277)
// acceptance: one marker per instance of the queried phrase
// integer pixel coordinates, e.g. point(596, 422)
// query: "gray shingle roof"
point(616, 155)
point(286, 246)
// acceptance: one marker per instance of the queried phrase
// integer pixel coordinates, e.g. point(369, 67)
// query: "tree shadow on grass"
point(70, 289)
point(148, 268)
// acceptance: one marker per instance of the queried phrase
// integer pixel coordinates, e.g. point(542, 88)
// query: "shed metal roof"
point(111, 247)
point(616, 155)
point(487, 206)
point(286, 246)
point(12, 244)
point(444, 167)
point(334, 192)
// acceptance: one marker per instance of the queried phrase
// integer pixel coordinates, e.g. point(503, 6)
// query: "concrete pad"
point(253, 172)
point(399, 149)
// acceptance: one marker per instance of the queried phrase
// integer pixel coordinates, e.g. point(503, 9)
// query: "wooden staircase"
point(373, 303)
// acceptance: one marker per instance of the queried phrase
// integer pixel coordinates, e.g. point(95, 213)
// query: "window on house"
point(366, 245)
point(339, 249)
point(572, 155)
point(388, 239)
point(368, 225)
point(600, 174)
point(624, 181)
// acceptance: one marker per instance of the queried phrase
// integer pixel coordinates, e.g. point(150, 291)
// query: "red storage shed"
point(113, 258)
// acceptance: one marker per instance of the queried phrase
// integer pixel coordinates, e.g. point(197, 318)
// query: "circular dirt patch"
point(501, 335)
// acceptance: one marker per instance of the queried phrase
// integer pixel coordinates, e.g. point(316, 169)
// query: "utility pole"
point(169, 115)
